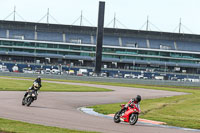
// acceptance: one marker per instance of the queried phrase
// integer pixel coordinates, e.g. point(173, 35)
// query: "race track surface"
point(60, 109)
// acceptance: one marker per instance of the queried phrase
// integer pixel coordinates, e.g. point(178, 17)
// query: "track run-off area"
point(60, 109)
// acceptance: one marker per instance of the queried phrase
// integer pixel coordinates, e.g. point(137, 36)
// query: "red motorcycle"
point(129, 115)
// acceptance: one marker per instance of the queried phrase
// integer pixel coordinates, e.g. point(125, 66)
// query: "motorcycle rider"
point(38, 80)
point(130, 103)
point(36, 86)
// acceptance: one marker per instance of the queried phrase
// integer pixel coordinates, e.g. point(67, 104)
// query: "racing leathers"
point(129, 104)
point(33, 88)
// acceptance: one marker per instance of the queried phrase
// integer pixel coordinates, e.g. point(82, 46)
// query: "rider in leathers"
point(36, 86)
point(130, 103)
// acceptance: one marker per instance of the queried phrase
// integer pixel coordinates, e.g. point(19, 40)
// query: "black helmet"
point(38, 79)
point(138, 98)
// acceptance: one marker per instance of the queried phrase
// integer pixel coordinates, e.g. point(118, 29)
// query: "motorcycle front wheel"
point(133, 119)
point(29, 100)
point(117, 117)
point(23, 101)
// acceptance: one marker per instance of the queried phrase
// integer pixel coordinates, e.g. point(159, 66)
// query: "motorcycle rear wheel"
point(117, 117)
point(133, 119)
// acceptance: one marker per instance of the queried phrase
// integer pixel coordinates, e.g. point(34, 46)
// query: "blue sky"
point(165, 15)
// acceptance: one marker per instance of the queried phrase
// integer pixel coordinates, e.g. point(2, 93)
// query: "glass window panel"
point(7, 43)
point(87, 48)
point(75, 47)
point(40, 51)
point(29, 50)
point(164, 54)
point(52, 52)
point(63, 46)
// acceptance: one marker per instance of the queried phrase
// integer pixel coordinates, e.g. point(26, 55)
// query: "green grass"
point(181, 111)
point(22, 85)
point(156, 87)
point(11, 126)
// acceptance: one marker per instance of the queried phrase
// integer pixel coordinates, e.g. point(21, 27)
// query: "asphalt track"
point(59, 109)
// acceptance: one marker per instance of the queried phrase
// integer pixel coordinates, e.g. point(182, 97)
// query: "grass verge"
point(156, 87)
point(180, 111)
point(21, 85)
point(11, 126)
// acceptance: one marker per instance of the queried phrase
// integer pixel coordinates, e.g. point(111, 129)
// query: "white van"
point(82, 72)
point(55, 71)
point(48, 71)
point(3, 68)
point(159, 77)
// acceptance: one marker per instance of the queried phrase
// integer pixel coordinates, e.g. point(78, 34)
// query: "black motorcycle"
point(30, 97)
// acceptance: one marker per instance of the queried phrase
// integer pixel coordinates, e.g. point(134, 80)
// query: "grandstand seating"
point(108, 40)
point(3, 33)
point(50, 36)
point(21, 34)
point(111, 40)
point(135, 50)
point(188, 46)
point(161, 44)
point(134, 42)
point(78, 38)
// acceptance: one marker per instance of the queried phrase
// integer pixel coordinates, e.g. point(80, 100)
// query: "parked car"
point(48, 71)
point(82, 72)
point(55, 71)
point(27, 70)
point(71, 72)
point(3, 68)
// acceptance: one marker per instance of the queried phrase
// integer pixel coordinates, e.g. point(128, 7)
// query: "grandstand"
point(30, 42)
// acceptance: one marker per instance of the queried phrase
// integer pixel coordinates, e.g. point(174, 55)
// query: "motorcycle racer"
point(36, 86)
point(130, 103)
point(38, 80)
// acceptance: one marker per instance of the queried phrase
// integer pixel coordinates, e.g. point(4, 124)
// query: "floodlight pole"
point(47, 15)
point(81, 19)
point(179, 26)
point(114, 20)
point(147, 28)
point(14, 13)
